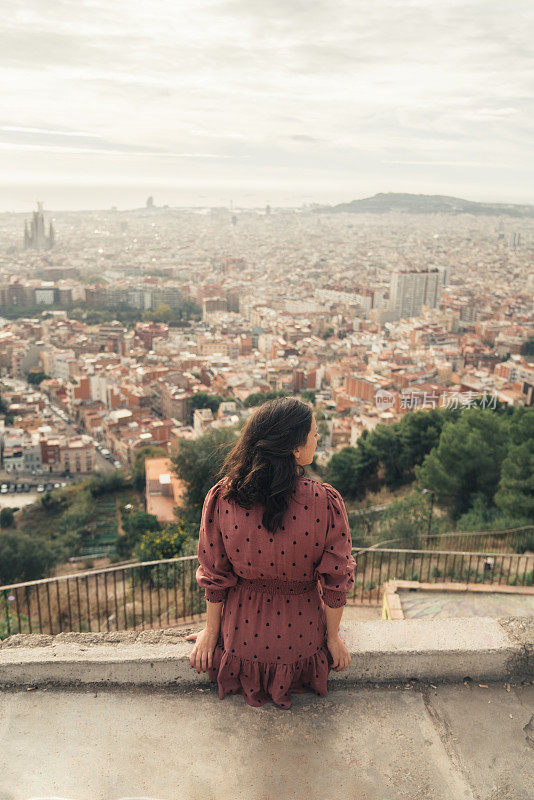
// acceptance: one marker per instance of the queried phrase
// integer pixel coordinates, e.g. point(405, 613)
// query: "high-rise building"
point(515, 239)
point(34, 234)
point(411, 289)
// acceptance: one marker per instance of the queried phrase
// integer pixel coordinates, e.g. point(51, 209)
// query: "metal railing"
point(163, 593)
point(377, 565)
point(508, 540)
point(148, 594)
point(511, 540)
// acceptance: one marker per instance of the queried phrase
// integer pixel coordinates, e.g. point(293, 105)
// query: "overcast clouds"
point(268, 98)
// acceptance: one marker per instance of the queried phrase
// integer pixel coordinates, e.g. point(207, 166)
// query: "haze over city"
point(284, 103)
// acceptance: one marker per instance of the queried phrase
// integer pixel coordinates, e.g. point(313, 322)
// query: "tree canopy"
point(467, 460)
point(197, 462)
point(470, 458)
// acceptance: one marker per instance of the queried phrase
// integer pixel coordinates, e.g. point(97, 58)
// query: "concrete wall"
point(383, 651)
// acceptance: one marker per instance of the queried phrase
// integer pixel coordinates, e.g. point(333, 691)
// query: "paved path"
point(464, 604)
point(455, 741)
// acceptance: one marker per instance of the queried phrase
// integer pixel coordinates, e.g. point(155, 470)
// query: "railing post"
point(8, 621)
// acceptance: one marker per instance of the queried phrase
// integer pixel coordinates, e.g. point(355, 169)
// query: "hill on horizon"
point(405, 203)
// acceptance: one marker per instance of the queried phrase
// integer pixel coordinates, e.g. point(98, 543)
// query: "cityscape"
point(113, 321)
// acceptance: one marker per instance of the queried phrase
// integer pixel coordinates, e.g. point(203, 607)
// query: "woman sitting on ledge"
point(267, 534)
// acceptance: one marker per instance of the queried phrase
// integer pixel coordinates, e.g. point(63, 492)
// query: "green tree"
point(135, 526)
point(138, 469)
point(406, 520)
point(51, 501)
point(342, 471)
point(205, 400)
point(353, 470)
point(186, 311)
point(8, 418)
point(162, 313)
point(467, 460)
point(197, 462)
point(24, 558)
point(139, 522)
point(170, 542)
point(484, 517)
point(257, 398)
point(387, 445)
point(392, 449)
point(7, 518)
point(419, 432)
point(35, 378)
point(515, 493)
point(107, 482)
point(78, 514)
point(167, 542)
point(308, 396)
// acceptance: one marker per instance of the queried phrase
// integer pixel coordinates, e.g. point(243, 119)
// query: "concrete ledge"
point(436, 650)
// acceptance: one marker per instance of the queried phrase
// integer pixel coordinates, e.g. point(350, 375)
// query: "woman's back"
point(272, 637)
point(292, 551)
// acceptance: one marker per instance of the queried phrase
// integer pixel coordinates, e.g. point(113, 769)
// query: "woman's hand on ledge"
point(340, 654)
point(201, 657)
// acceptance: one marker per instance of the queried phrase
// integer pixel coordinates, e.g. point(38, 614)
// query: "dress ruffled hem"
point(261, 681)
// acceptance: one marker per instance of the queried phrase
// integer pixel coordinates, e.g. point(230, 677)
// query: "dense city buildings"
point(134, 313)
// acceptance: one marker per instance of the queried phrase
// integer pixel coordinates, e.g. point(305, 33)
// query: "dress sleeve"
point(214, 573)
point(337, 564)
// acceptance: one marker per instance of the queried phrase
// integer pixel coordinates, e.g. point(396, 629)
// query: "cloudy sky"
point(281, 101)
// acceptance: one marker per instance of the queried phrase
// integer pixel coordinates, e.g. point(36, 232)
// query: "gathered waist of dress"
point(278, 586)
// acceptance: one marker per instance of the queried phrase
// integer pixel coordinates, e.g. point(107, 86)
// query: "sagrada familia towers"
point(34, 233)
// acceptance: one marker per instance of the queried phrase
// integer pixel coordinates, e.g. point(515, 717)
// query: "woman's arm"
point(201, 657)
point(215, 572)
point(333, 618)
point(213, 617)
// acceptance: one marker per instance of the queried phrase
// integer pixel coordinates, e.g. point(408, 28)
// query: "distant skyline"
point(280, 101)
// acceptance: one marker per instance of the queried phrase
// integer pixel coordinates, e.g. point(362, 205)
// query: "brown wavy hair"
point(261, 466)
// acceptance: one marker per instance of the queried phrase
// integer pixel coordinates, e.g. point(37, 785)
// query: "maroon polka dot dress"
point(274, 586)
